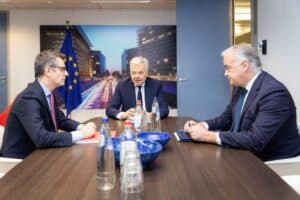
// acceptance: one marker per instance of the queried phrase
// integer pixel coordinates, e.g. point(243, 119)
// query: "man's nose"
point(225, 73)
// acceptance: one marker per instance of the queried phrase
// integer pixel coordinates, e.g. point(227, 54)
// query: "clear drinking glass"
point(130, 156)
point(132, 181)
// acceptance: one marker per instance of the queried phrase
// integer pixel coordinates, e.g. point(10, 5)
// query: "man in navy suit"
point(34, 118)
point(264, 121)
point(123, 102)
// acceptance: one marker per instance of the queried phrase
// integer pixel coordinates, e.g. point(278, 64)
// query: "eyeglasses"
point(61, 68)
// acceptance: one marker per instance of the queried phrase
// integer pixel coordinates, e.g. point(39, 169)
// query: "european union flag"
point(72, 84)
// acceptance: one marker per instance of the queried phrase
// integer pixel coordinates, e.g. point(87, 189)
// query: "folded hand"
point(129, 113)
point(89, 130)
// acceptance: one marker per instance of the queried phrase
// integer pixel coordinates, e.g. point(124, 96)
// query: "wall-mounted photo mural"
point(103, 54)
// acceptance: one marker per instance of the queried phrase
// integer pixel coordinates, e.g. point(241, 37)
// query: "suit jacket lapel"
point(131, 93)
point(41, 96)
point(253, 93)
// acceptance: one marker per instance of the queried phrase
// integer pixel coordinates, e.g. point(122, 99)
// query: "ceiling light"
point(120, 1)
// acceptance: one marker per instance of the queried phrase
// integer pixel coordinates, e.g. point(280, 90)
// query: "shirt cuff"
point(118, 116)
point(79, 127)
point(76, 136)
point(218, 139)
point(206, 125)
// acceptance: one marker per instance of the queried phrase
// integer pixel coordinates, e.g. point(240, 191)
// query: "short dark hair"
point(46, 57)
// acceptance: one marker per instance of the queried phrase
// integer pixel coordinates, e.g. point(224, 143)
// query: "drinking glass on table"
point(132, 183)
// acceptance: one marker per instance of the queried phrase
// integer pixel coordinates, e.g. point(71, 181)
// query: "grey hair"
point(139, 60)
point(45, 58)
point(242, 52)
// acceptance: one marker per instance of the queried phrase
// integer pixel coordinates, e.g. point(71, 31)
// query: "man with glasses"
point(261, 116)
point(35, 120)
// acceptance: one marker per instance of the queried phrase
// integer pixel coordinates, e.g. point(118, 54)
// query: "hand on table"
point(129, 113)
point(89, 130)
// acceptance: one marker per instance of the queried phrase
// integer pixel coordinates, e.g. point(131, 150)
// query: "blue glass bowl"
point(162, 137)
point(149, 151)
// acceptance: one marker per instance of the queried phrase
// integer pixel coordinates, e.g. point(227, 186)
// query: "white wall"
point(279, 24)
point(24, 34)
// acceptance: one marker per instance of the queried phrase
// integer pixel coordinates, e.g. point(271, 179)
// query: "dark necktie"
point(139, 96)
point(238, 109)
point(52, 111)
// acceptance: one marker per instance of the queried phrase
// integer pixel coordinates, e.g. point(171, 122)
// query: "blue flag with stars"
point(72, 91)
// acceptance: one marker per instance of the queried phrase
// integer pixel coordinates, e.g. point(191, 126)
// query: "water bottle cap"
point(105, 119)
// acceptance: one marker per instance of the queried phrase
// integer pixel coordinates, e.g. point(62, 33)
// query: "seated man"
point(34, 119)
point(139, 86)
point(261, 116)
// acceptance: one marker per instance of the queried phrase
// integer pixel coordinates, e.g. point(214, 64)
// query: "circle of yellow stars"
point(76, 73)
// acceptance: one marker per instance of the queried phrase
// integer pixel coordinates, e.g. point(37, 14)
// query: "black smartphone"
point(182, 136)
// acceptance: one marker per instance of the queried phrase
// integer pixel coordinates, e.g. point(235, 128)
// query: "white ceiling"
point(88, 4)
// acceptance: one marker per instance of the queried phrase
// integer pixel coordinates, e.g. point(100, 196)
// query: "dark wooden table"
point(182, 171)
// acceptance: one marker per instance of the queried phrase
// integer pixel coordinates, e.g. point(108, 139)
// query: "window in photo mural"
point(103, 54)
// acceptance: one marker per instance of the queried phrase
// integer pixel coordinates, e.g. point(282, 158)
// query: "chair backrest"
point(4, 115)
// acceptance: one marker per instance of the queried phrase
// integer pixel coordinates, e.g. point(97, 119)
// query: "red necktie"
point(52, 110)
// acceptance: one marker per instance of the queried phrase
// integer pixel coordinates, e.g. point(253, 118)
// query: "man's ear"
point(47, 70)
point(246, 65)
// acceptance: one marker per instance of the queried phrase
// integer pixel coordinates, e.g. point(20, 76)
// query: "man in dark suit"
point(261, 116)
point(34, 118)
point(139, 85)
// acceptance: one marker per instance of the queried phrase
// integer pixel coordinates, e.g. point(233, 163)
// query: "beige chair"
point(6, 163)
point(293, 181)
point(285, 167)
point(289, 170)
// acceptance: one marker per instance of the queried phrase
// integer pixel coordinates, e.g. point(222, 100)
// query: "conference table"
point(186, 170)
